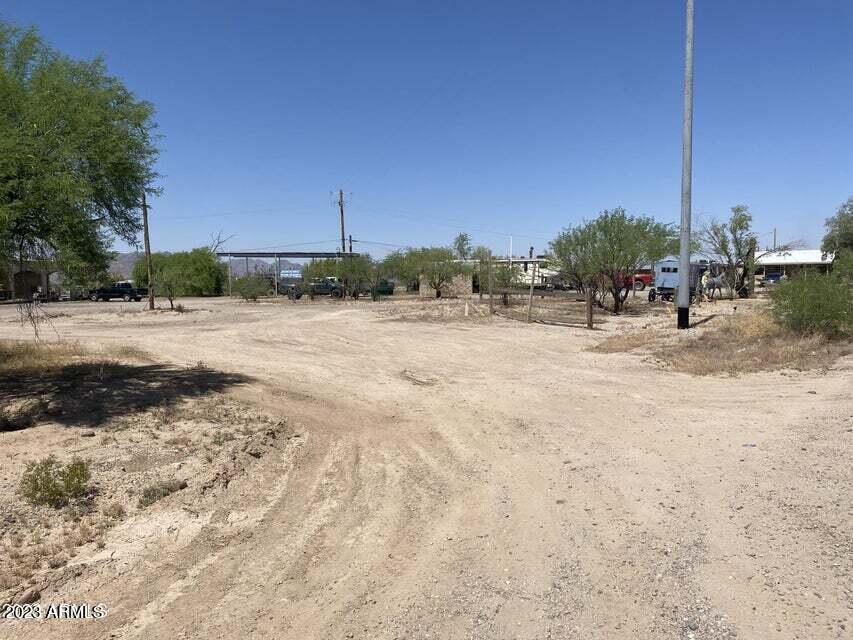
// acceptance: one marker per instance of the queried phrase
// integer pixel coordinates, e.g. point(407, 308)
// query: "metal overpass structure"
point(277, 256)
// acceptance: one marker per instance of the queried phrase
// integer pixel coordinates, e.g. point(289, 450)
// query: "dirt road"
point(482, 480)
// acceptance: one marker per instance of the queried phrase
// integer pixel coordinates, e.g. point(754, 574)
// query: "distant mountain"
point(123, 264)
point(256, 265)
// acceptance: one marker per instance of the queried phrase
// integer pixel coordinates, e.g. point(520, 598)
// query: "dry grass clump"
point(125, 352)
point(748, 343)
point(624, 342)
point(19, 356)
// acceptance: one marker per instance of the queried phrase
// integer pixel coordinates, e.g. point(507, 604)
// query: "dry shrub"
point(113, 510)
point(126, 352)
point(179, 441)
point(20, 356)
point(159, 490)
point(624, 342)
point(748, 343)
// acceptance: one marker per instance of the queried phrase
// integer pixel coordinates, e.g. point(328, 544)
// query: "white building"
point(789, 262)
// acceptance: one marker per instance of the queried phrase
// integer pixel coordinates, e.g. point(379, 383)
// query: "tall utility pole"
point(147, 251)
point(343, 234)
point(686, 177)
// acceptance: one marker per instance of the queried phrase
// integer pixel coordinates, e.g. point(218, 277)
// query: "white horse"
point(714, 284)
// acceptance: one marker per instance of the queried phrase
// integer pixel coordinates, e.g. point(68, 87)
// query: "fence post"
point(491, 300)
point(530, 300)
point(588, 292)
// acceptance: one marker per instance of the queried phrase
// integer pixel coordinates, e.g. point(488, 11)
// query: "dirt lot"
point(401, 470)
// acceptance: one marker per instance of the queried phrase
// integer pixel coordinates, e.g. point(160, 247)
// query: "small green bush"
point(49, 483)
point(250, 287)
point(159, 490)
point(815, 303)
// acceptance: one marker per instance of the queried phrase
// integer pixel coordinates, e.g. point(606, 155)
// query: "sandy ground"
point(471, 478)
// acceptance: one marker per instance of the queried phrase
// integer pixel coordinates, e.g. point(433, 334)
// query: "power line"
point(224, 214)
point(294, 244)
point(381, 244)
point(458, 224)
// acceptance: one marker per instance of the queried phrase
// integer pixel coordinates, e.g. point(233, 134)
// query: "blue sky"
point(493, 117)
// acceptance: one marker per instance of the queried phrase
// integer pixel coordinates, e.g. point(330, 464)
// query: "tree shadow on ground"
point(92, 393)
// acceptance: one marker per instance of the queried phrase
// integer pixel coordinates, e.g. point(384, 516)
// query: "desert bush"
point(159, 490)
point(748, 343)
point(815, 303)
point(250, 287)
point(221, 437)
point(49, 483)
point(113, 510)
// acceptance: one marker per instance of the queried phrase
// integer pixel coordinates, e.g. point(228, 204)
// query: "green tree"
point(323, 268)
point(403, 266)
point(170, 277)
point(605, 252)
point(437, 266)
point(462, 246)
point(76, 152)
point(732, 245)
point(572, 255)
point(201, 272)
point(839, 230)
point(506, 275)
point(250, 287)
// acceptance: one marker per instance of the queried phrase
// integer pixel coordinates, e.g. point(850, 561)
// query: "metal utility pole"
point(686, 177)
point(350, 243)
point(774, 238)
point(343, 234)
point(147, 252)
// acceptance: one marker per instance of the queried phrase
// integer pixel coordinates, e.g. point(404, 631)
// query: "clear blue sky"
point(495, 117)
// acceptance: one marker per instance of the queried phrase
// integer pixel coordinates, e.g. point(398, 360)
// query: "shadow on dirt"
point(91, 393)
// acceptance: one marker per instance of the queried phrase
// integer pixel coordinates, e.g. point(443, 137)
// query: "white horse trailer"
point(667, 279)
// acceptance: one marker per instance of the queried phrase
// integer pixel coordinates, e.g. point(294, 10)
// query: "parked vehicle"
point(124, 290)
point(640, 281)
point(667, 279)
point(326, 287)
point(385, 288)
point(292, 290)
point(771, 278)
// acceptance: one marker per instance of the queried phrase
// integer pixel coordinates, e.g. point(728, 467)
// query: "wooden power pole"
point(343, 234)
point(530, 300)
point(147, 252)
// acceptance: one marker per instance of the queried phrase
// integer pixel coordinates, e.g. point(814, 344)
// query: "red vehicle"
point(641, 280)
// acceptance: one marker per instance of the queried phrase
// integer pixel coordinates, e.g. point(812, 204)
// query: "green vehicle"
point(384, 288)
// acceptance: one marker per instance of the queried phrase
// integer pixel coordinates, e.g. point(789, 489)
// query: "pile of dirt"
point(187, 450)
